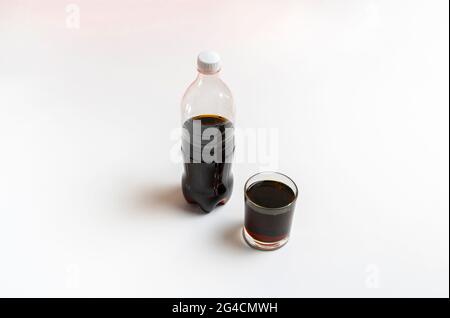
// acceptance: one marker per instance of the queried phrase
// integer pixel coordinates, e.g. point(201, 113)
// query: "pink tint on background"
point(150, 30)
point(133, 17)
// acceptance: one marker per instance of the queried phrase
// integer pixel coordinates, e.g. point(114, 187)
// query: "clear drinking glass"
point(270, 199)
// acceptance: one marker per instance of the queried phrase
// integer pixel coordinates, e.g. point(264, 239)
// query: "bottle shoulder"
point(208, 96)
point(211, 88)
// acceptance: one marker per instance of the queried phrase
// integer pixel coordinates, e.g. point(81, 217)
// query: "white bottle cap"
point(208, 62)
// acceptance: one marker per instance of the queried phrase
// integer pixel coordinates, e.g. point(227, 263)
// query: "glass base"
point(263, 246)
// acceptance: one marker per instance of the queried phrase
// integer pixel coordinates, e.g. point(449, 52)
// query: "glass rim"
point(268, 173)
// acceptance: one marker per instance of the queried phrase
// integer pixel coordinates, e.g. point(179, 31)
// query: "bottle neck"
point(207, 77)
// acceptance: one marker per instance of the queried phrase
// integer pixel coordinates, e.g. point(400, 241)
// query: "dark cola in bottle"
point(207, 111)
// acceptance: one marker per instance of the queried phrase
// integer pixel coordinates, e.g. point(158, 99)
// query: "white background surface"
point(90, 202)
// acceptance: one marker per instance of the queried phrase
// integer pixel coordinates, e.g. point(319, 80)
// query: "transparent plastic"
point(208, 94)
point(207, 101)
